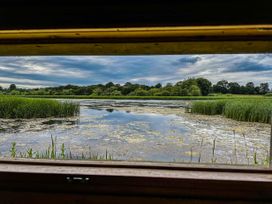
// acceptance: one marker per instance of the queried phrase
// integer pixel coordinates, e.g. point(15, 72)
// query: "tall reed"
point(16, 107)
point(208, 107)
point(51, 152)
point(254, 110)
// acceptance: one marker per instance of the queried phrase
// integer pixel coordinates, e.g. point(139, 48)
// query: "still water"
point(142, 130)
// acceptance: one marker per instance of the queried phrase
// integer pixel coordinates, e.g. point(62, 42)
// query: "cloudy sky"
point(41, 71)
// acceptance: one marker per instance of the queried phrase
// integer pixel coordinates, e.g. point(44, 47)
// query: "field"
point(17, 107)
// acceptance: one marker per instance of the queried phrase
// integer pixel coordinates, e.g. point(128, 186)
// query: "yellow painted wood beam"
point(153, 40)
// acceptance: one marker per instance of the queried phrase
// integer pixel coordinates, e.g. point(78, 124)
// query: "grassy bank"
point(215, 97)
point(253, 110)
point(17, 107)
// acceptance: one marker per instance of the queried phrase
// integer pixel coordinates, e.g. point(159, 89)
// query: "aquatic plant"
point(249, 110)
point(17, 107)
point(13, 150)
point(51, 152)
point(213, 151)
point(208, 107)
point(253, 110)
point(200, 150)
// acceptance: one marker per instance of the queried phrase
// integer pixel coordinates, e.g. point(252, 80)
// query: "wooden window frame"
point(110, 181)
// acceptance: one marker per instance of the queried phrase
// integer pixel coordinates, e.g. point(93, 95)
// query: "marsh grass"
point(208, 107)
point(213, 151)
point(253, 110)
point(16, 107)
point(51, 152)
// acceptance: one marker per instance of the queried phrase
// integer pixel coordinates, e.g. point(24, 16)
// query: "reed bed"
point(208, 107)
point(254, 110)
point(16, 107)
point(51, 152)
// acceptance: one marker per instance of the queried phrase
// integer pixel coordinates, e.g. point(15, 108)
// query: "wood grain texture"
point(132, 179)
point(138, 41)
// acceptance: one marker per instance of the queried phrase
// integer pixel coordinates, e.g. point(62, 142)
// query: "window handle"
point(77, 179)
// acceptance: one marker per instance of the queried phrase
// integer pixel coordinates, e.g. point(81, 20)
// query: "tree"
point(97, 91)
point(153, 91)
point(257, 90)
point(108, 85)
point(139, 92)
point(250, 88)
point(12, 87)
point(221, 87)
point(204, 85)
point(234, 88)
point(178, 91)
point(195, 90)
point(186, 84)
point(116, 93)
point(128, 88)
point(158, 86)
point(264, 88)
point(163, 93)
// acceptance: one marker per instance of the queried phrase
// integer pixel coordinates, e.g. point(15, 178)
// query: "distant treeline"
point(189, 87)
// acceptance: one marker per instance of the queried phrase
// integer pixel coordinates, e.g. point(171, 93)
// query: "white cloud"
point(52, 70)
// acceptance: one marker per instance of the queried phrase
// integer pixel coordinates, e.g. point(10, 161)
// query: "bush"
point(195, 91)
point(268, 94)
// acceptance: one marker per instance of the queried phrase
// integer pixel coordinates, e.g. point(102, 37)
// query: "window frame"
point(132, 179)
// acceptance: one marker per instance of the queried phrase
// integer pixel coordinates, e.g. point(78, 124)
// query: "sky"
point(44, 71)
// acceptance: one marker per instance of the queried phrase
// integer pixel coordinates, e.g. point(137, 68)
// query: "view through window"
point(213, 109)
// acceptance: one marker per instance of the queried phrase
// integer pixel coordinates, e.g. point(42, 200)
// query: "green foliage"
point(52, 153)
point(13, 150)
point(208, 107)
point(188, 87)
point(139, 92)
point(268, 94)
point(17, 107)
point(204, 85)
point(12, 87)
point(234, 88)
point(195, 91)
point(63, 151)
point(252, 110)
point(264, 88)
point(221, 87)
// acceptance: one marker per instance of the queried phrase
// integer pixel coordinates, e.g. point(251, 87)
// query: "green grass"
point(18, 107)
point(209, 107)
point(252, 110)
point(213, 97)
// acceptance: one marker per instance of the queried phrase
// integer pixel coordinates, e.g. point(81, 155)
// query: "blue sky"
point(42, 71)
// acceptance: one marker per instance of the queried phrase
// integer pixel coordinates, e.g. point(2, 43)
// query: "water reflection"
point(141, 130)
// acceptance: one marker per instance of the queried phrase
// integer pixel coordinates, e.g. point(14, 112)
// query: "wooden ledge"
point(135, 41)
point(139, 33)
point(134, 179)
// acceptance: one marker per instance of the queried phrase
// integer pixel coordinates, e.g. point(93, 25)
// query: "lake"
point(145, 130)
